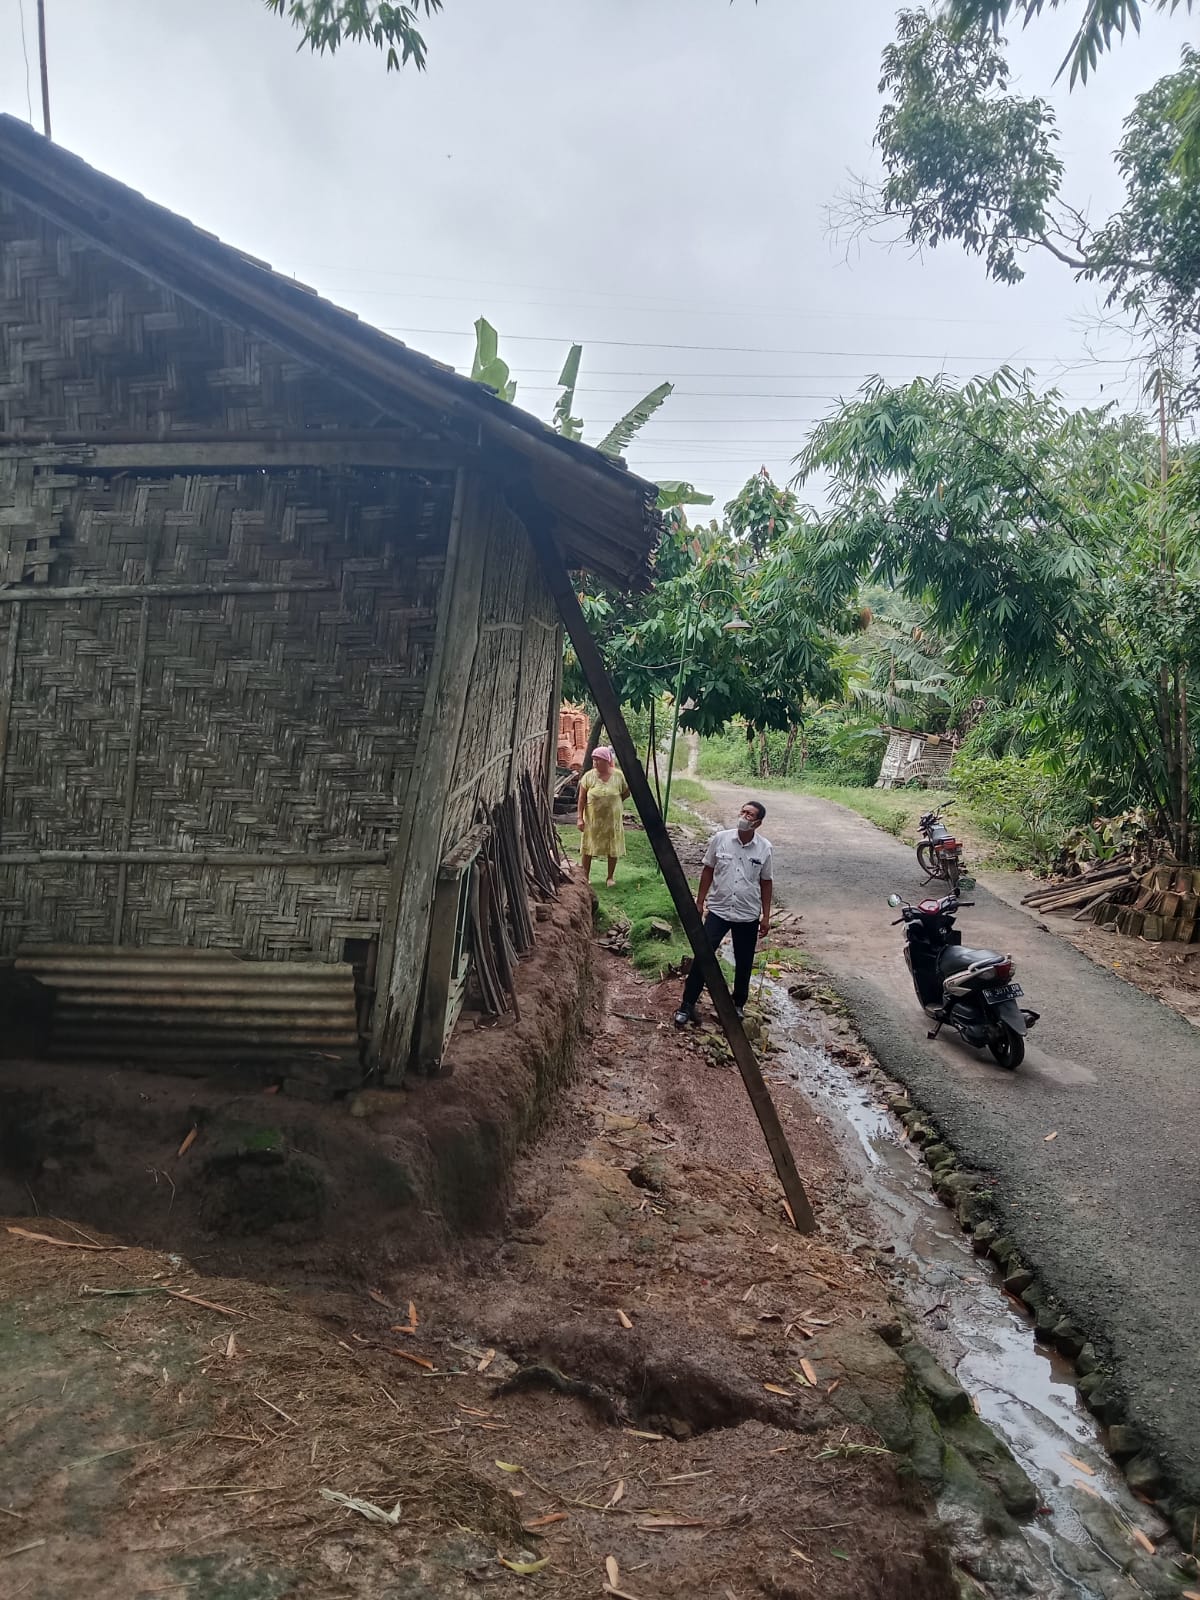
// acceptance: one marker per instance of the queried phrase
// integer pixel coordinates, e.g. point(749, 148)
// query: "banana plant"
point(489, 369)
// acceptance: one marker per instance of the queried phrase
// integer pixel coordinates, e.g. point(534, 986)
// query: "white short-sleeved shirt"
point(738, 872)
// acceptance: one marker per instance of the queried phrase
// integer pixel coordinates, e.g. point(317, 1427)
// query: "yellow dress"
point(603, 832)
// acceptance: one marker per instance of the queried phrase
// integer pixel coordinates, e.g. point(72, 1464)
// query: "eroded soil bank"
point(269, 1184)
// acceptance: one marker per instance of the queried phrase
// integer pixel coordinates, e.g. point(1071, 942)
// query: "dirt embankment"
point(272, 1185)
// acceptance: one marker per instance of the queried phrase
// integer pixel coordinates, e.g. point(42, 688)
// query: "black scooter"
point(972, 990)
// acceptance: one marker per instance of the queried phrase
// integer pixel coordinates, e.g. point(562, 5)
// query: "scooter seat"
point(958, 957)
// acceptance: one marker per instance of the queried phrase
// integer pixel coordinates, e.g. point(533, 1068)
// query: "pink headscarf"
point(603, 753)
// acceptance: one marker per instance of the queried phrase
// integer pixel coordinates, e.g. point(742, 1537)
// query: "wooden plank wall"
point(491, 715)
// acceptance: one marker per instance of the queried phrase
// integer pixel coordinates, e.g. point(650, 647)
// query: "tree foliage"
point(765, 673)
point(966, 159)
point(324, 25)
point(1050, 557)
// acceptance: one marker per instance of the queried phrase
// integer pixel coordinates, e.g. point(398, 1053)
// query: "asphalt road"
point(1108, 1213)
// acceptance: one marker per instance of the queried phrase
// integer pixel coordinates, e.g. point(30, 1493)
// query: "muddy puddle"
point(960, 1310)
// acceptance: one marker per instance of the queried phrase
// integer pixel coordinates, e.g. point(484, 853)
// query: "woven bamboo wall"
point(270, 724)
point(89, 346)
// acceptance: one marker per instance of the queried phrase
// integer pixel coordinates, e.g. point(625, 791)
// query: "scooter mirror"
point(894, 900)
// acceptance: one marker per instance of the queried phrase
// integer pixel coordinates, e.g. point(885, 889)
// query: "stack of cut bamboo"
point(1159, 902)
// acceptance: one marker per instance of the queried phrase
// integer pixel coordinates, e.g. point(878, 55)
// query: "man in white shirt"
point(734, 897)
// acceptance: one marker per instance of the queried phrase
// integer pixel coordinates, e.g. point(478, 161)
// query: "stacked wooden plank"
point(1151, 902)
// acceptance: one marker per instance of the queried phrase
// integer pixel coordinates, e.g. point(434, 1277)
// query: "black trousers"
point(745, 941)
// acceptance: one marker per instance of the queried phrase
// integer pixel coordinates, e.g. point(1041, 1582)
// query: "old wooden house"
point(279, 671)
point(923, 759)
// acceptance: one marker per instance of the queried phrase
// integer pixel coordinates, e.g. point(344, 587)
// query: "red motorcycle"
point(939, 854)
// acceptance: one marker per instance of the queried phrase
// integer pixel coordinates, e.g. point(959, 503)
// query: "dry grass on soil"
point(157, 1444)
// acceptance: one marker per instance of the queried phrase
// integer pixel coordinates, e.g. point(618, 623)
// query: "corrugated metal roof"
point(607, 522)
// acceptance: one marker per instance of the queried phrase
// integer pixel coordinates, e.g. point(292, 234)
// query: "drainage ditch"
point(1089, 1540)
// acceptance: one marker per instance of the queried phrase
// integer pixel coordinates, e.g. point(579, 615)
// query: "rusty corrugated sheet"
point(186, 1008)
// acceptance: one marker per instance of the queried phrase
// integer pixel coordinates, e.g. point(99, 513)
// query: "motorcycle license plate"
point(1010, 991)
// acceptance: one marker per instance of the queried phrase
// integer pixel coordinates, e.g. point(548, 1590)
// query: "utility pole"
point(41, 10)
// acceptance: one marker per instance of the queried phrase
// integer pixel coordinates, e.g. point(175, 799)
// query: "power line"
point(740, 349)
point(483, 285)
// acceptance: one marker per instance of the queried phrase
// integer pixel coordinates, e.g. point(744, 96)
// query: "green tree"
point(764, 673)
point(325, 25)
point(985, 504)
point(1101, 23)
point(967, 160)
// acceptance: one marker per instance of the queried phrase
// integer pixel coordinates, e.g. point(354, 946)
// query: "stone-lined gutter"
point(968, 1195)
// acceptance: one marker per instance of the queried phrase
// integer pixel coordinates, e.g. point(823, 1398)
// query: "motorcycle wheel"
point(953, 867)
point(1007, 1047)
point(928, 862)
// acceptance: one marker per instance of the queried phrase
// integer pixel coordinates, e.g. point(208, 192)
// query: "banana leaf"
point(621, 434)
point(570, 427)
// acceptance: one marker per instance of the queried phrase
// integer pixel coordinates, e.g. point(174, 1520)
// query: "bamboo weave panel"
point(267, 722)
point(90, 346)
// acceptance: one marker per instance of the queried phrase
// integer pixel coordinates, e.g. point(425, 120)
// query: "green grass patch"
point(896, 811)
point(638, 898)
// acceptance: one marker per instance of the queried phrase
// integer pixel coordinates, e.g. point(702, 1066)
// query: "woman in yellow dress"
point(601, 792)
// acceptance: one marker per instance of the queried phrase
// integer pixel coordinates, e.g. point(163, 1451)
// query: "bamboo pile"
point(1154, 903)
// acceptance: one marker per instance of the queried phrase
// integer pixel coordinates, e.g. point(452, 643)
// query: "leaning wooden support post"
point(539, 523)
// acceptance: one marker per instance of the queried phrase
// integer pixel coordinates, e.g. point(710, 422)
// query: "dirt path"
point(1109, 1210)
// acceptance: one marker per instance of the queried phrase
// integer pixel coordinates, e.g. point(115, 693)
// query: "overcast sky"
point(647, 176)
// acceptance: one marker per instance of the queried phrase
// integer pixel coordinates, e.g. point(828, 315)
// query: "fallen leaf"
point(1189, 1594)
point(544, 1522)
point(656, 1524)
point(67, 1244)
point(774, 1388)
point(625, 1321)
point(809, 1371)
point(836, 1384)
point(802, 1556)
point(1082, 1465)
point(1050, 1136)
point(525, 1567)
point(749, 1294)
point(1088, 1489)
point(770, 1316)
point(189, 1140)
point(230, 1347)
point(619, 1594)
point(638, 1433)
point(618, 1494)
point(380, 1300)
point(488, 1358)
point(787, 1211)
point(412, 1313)
point(1146, 1544)
point(508, 1466)
point(417, 1361)
point(402, 1327)
point(364, 1508)
point(612, 1571)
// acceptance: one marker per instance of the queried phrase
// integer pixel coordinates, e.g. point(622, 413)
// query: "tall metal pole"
point(539, 522)
point(689, 629)
point(41, 16)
